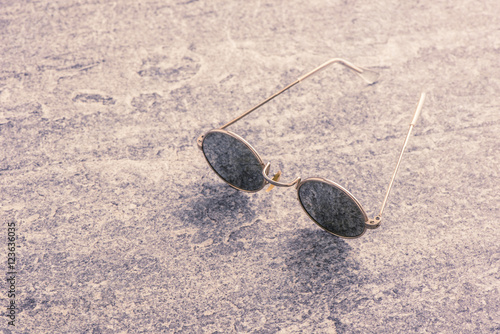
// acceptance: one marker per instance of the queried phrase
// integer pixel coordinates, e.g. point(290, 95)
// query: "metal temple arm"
point(368, 75)
point(376, 221)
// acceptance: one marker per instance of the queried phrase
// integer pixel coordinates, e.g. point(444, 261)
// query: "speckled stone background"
point(124, 228)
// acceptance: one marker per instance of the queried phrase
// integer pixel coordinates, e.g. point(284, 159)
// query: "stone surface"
point(124, 228)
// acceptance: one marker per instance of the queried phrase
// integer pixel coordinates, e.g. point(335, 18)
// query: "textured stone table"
point(123, 228)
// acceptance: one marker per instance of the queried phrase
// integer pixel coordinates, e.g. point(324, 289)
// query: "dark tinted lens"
point(332, 208)
point(233, 161)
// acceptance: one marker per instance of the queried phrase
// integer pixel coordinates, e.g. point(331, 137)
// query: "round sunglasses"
point(328, 204)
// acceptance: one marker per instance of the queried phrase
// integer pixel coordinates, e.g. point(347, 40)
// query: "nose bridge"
point(276, 183)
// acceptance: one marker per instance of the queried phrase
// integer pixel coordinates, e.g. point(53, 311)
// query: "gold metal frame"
point(370, 77)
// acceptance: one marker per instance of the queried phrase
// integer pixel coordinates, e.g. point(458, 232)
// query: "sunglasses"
point(328, 204)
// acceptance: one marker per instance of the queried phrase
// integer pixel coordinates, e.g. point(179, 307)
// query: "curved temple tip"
point(419, 108)
point(369, 76)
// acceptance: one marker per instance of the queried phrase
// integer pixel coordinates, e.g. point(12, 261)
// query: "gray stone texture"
point(124, 228)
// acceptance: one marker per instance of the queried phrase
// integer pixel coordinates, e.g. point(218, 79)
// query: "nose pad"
point(276, 178)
